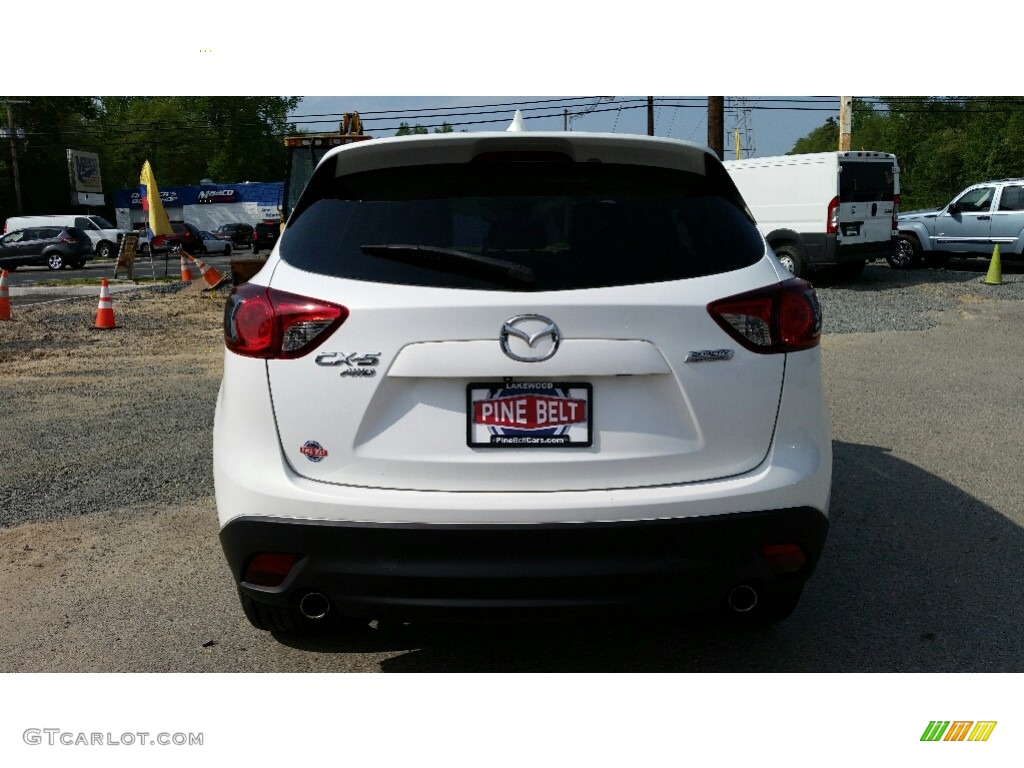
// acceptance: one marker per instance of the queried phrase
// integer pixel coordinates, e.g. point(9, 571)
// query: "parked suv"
point(237, 233)
point(103, 235)
point(185, 236)
point(53, 247)
point(519, 375)
point(972, 224)
point(265, 235)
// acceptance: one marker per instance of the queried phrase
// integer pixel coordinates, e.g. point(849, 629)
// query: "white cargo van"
point(824, 209)
point(103, 234)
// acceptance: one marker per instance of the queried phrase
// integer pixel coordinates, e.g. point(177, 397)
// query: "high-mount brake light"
point(784, 317)
point(270, 324)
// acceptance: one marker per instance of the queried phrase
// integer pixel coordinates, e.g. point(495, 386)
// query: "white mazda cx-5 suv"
point(493, 376)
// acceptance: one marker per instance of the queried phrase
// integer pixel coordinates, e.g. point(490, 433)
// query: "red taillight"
point(271, 324)
point(66, 240)
point(895, 212)
point(269, 569)
point(785, 317)
point(832, 222)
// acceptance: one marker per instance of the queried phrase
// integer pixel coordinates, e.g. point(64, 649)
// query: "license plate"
point(534, 414)
point(851, 230)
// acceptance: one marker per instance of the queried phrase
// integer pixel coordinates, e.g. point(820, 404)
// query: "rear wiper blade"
point(451, 260)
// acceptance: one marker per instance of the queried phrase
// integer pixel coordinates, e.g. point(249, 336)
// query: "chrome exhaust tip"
point(743, 598)
point(314, 606)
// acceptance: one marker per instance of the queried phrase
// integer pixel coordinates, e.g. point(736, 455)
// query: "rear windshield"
point(861, 182)
point(521, 225)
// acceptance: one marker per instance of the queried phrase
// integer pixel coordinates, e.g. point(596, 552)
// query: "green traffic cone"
point(995, 269)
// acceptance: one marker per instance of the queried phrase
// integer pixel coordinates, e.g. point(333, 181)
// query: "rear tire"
point(792, 259)
point(55, 261)
point(105, 250)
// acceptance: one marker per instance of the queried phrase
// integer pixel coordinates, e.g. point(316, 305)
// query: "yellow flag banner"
point(151, 203)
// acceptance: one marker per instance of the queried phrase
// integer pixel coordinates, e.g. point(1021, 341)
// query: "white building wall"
point(207, 216)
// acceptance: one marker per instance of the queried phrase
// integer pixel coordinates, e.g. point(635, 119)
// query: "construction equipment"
point(306, 150)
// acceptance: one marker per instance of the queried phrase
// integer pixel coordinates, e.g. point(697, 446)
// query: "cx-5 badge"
point(538, 337)
point(356, 364)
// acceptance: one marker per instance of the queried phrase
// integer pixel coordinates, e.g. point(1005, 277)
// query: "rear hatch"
point(868, 186)
point(523, 323)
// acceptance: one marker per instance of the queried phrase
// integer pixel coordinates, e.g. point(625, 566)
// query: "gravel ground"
point(104, 419)
point(884, 299)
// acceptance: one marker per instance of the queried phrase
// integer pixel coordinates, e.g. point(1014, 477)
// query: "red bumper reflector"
point(269, 569)
point(783, 558)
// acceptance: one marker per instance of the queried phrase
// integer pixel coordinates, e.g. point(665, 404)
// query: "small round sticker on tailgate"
point(313, 451)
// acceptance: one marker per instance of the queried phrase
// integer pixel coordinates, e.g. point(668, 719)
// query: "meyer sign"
point(218, 195)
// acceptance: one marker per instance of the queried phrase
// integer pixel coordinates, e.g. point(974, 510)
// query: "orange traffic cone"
point(105, 313)
point(210, 275)
point(186, 273)
point(5, 298)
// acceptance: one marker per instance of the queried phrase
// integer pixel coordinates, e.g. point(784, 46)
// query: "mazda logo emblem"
point(529, 338)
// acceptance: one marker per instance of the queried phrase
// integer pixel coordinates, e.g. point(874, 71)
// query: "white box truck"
point(823, 209)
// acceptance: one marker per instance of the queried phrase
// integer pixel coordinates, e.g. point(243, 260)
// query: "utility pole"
point(14, 152)
point(716, 125)
point(845, 122)
point(650, 115)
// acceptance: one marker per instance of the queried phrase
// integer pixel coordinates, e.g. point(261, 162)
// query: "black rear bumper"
point(522, 572)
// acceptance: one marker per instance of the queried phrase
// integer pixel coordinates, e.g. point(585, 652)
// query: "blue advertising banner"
point(266, 193)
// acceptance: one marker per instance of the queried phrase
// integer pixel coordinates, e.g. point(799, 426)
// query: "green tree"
point(405, 130)
point(50, 125)
point(185, 138)
point(228, 139)
point(942, 143)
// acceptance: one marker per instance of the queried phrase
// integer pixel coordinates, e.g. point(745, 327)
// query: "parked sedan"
point(184, 236)
point(53, 247)
point(214, 244)
point(236, 233)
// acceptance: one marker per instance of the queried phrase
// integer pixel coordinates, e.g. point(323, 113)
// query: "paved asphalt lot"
point(922, 570)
